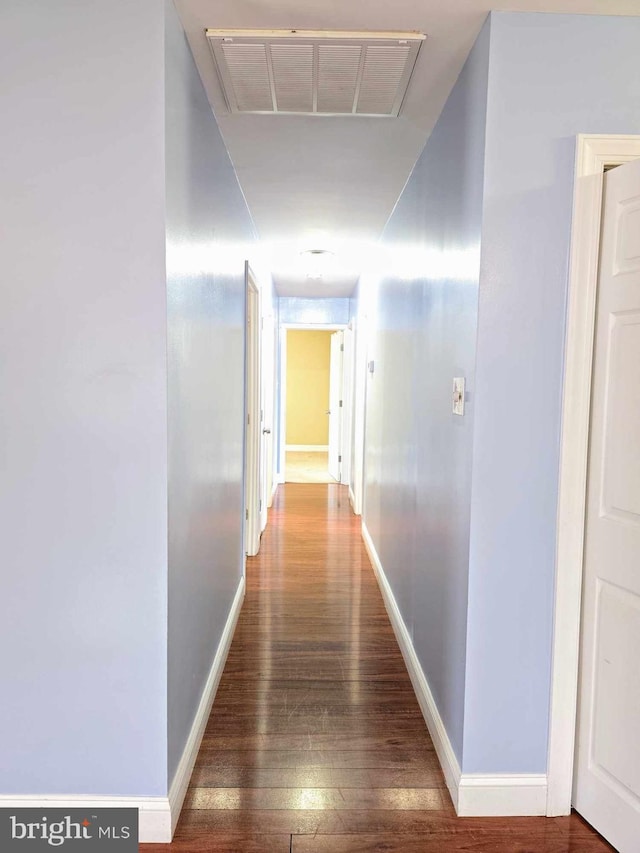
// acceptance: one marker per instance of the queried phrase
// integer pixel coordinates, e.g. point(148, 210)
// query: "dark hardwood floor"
point(316, 743)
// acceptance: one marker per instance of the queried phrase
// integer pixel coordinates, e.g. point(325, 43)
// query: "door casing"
point(336, 405)
point(253, 416)
point(282, 402)
point(594, 153)
point(267, 390)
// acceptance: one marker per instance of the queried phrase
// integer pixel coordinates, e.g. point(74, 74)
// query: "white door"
point(335, 405)
point(253, 426)
point(607, 775)
point(347, 405)
point(267, 374)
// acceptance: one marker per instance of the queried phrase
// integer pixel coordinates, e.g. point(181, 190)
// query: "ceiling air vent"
point(309, 72)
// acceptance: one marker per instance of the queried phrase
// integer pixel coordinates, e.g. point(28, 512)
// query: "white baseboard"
point(479, 795)
point(319, 448)
point(157, 816)
point(352, 499)
point(446, 755)
point(180, 783)
point(502, 795)
point(154, 814)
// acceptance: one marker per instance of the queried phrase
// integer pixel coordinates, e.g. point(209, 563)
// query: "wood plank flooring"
point(316, 743)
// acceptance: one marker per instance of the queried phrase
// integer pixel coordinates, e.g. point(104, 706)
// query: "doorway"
point(308, 422)
point(581, 411)
point(607, 773)
point(315, 403)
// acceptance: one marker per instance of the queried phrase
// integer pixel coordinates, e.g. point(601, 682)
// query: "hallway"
point(316, 743)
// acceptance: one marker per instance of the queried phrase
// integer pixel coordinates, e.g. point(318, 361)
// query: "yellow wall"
point(308, 357)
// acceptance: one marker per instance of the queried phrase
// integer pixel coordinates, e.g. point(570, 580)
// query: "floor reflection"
point(316, 743)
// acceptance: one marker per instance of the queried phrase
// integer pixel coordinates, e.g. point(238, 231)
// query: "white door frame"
point(348, 404)
point(253, 419)
point(336, 410)
point(267, 372)
point(594, 153)
point(318, 327)
point(358, 410)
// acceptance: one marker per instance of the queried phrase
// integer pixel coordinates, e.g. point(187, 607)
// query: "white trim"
point(282, 403)
point(253, 415)
point(180, 784)
point(439, 736)
point(294, 448)
point(352, 499)
point(315, 327)
point(359, 402)
point(473, 794)
point(282, 407)
point(154, 816)
point(319, 35)
point(336, 409)
point(157, 816)
point(502, 795)
point(593, 153)
point(348, 398)
point(268, 397)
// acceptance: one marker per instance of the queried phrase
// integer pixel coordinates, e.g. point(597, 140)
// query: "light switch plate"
point(458, 395)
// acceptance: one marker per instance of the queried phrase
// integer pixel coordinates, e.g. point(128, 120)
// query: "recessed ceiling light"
point(316, 262)
point(316, 252)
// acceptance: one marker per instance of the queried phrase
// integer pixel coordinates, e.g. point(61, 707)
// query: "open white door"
point(253, 425)
point(268, 408)
point(347, 405)
point(359, 375)
point(607, 775)
point(335, 405)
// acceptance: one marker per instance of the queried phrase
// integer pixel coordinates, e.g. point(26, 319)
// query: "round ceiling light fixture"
point(316, 261)
point(316, 253)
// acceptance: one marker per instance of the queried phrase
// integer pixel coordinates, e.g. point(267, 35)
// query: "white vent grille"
point(247, 64)
point(293, 77)
point(383, 70)
point(307, 72)
point(338, 72)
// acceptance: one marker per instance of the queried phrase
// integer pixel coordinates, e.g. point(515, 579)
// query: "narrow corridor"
point(316, 743)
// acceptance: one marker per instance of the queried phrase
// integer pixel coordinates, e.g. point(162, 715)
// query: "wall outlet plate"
point(458, 395)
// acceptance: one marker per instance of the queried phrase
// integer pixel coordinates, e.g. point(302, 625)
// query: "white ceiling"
point(326, 181)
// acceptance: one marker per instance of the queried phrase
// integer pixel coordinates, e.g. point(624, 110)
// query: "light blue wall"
point(454, 526)
point(551, 77)
point(296, 309)
point(208, 236)
point(83, 445)
point(422, 316)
